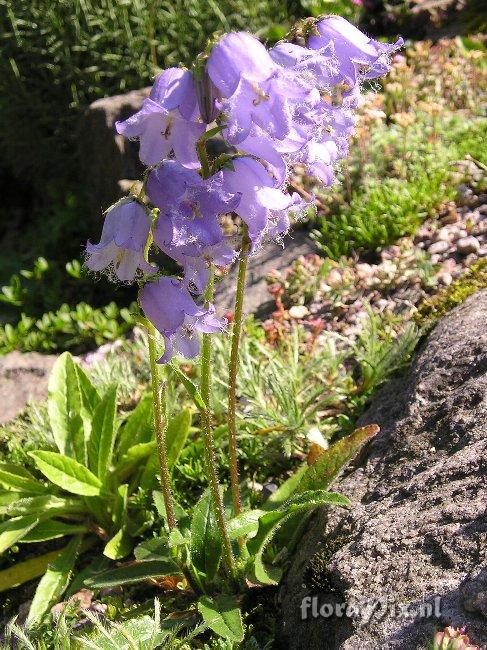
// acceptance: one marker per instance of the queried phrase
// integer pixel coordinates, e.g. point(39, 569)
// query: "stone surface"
point(23, 377)
point(467, 245)
point(110, 160)
point(417, 527)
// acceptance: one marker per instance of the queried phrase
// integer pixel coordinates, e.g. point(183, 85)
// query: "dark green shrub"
point(57, 57)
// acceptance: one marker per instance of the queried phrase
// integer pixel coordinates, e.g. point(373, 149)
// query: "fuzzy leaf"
point(244, 524)
point(54, 582)
point(52, 529)
point(191, 388)
point(67, 473)
point(205, 538)
point(152, 549)
point(64, 405)
point(103, 432)
point(284, 492)
point(25, 571)
point(135, 572)
point(270, 521)
point(15, 477)
point(41, 504)
point(176, 435)
point(328, 466)
point(138, 427)
point(222, 615)
point(119, 546)
point(13, 530)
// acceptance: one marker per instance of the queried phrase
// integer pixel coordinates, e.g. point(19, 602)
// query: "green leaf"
point(244, 524)
point(89, 395)
point(54, 582)
point(103, 432)
point(121, 503)
point(205, 538)
point(222, 615)
point(67, 473)
point(64, 405)
point(41, 504)
point(176, 435)
point(13, 530)
point(52, 529)
point(17, 478)
point(25, 571)
point(138, 427)
point(327, 467)
point(191, 388)
point(153, 549)
point(135, 572)
point(182, 516)
point(270, 521)
point(282, 494)
point(119, 546)
point(7, 498)
point(132, 459)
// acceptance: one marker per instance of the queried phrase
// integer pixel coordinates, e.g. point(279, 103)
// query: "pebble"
point(443, 234)
point(298, 311)
point(445, 278)
point(438, 247)
point(467, 245)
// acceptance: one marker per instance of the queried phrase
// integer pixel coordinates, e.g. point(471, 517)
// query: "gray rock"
point(467, 245)
point(417, 529)
point(23, 377)
point(110, 160)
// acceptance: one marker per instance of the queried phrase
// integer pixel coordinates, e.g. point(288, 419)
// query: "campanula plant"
point(222, 139)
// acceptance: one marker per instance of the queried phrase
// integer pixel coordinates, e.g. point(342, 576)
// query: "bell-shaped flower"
point(188, 228)
point(263, 207)
point(167, 120)
point(123, 240)
point(357, 55)
point(169, 306)
point(255, 89)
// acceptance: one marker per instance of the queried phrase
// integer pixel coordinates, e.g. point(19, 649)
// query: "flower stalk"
point(160, 423)
point(233, 373)
point(209, 442)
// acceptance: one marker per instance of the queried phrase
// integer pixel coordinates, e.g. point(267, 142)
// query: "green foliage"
point(222, 615)
point(69, 328)
point(382, 210)
point(92, 479)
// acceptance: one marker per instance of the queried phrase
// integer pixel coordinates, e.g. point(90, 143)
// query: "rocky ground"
point(339, 293)
point(416, 532)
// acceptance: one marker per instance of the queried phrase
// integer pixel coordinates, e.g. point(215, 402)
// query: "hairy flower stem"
point(160, 421)
point(210, 443)
point(233, 373)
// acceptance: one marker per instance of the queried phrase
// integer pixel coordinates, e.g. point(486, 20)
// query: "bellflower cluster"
point(275, 108)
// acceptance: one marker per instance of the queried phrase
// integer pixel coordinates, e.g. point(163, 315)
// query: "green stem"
point(210, 443)
point(233, 373)
point(160, 421)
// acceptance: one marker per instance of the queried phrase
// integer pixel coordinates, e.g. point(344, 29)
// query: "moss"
point(432, 309)
point(317, 576)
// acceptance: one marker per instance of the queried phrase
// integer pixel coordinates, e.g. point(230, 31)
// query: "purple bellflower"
point(358, 56)
point(263, 207)
point(123, 239)
point(188, 228)
point(167, 120)
point(169, 306)
point(255, 90)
